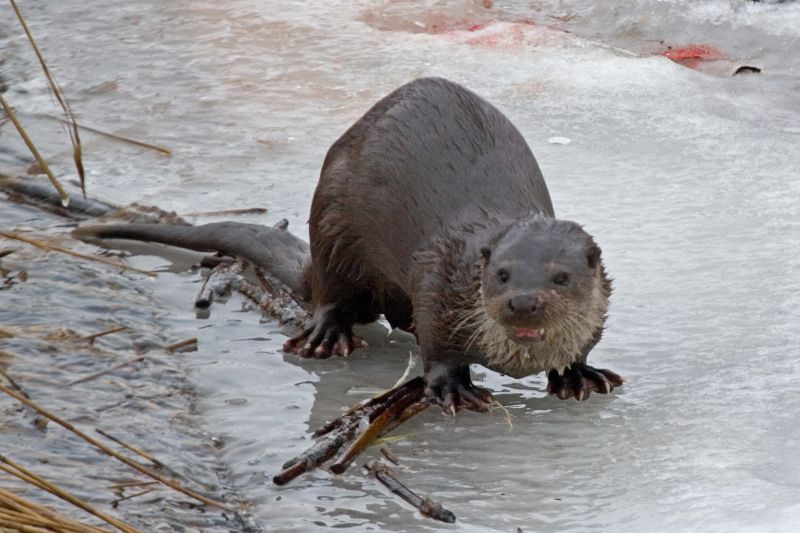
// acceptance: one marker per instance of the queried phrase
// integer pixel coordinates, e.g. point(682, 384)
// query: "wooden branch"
point(357, 429)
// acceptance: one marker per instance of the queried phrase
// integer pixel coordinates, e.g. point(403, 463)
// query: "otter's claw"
point(454, 391)
point(326, 336)
point(579, 380)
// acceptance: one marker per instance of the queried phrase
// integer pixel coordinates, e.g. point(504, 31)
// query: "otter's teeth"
point(526, 333)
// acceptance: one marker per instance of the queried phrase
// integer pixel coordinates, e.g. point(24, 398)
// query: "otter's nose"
point(524, 305)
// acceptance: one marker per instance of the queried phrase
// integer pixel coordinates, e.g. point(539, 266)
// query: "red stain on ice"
point(511, 35)
point(692, 55)
point(478, 26)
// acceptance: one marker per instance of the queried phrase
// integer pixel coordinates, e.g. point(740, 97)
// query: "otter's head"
point(543, 287)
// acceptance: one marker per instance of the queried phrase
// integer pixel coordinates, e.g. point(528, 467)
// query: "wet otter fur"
point(432, 211)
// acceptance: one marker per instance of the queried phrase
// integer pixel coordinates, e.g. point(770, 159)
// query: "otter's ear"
point(593, 256)
point(486, 254)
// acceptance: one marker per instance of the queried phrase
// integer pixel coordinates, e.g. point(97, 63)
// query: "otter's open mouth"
point(525, 335)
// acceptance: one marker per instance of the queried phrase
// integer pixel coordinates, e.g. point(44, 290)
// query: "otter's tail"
point(274, 249)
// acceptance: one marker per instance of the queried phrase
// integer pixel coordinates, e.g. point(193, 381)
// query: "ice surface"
point(688, 178)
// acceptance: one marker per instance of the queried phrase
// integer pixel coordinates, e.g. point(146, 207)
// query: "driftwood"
point(219, 283)
point(352, 432)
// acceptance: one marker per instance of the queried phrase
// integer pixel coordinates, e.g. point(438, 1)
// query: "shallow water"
point(687, 178)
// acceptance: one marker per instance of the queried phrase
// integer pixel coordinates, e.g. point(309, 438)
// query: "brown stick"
point(384, 413)
point(376, 404)
point(91, 338)
point(410, 411)
point(130, 447)
point(55, 248)
point(223, 212)
point(13, 383)
point(375, 429)
point(322, 450)
point(392, 458)
point(175, 346)
point(131, 484)
point(108, 451)
point(56, 491)
point(425, 506)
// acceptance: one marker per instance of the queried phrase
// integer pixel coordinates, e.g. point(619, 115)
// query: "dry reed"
point(58, 93)
point(55, 248)
point(108, 451)
point(29, 477)
point(39, 159)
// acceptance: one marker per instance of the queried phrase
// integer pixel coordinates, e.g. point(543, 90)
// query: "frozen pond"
point(687, 178)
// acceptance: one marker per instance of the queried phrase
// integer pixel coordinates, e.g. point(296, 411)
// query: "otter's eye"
point(503, 275)
point(562, 278)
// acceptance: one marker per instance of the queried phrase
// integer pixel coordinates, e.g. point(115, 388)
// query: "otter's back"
point(430, 155)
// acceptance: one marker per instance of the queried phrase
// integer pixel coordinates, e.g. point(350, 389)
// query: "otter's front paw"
point(327, 335)
point(453, 390)
point(579, 380)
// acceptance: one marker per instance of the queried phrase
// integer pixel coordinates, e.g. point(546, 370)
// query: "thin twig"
point(131, 447)
point(56, 491)
point(116, 502)
point(91, 338)
point(55, 248)
point(39, 159)
point(13, 383)
point(392, 458)
point(132, 484)
point(96, 375)
point(425, 506)
point(115, 136)
point(188, 343)
point(108, 451)
point(225, 212)
point(56, 90)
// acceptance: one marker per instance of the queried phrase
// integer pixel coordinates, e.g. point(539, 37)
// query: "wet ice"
point(686, 177)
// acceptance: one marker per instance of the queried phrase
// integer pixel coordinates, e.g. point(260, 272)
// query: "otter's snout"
point(525, 305)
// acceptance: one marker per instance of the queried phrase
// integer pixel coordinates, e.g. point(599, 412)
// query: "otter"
point(432, 210)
